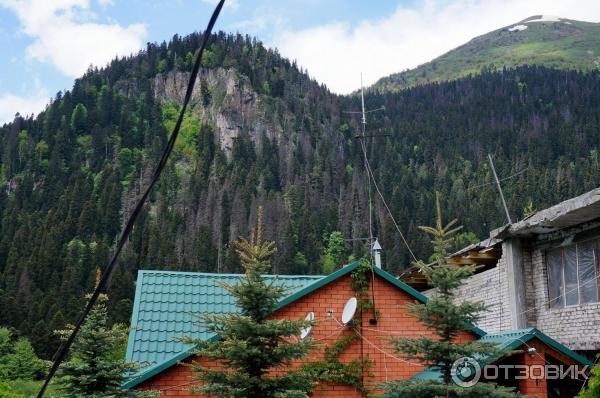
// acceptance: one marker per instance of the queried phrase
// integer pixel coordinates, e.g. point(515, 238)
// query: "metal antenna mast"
point(362, 101)
point(499, 189)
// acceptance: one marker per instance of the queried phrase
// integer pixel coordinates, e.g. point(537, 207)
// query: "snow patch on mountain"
point(517, 28)
point(546, 18)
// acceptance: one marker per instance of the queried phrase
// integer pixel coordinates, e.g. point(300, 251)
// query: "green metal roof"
point(163, 307)
point(509, 340)
point(164, 300)
point(512, 339)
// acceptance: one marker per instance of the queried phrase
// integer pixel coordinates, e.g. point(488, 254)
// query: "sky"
point(46, 44)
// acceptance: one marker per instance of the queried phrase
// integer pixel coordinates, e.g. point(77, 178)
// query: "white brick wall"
point(491, 287)
point(577, 327)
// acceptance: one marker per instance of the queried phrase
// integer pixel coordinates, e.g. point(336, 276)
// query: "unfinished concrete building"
point(540, 272)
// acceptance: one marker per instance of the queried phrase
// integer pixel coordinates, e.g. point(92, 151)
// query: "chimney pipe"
point(377, 253)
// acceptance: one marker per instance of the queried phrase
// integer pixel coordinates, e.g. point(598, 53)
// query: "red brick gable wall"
point(394, 320)
point(543, 355)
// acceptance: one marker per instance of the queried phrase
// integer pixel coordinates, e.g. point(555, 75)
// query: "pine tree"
point(96, 368)
point(447, 319)
point(253, 347)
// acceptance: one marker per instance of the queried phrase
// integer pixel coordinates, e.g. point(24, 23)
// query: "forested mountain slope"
point(542, 40)
point(260, 132)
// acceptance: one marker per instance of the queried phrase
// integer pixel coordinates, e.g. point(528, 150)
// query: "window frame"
point(562, 287)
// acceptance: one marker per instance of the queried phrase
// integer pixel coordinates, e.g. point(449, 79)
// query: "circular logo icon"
point(466, 372)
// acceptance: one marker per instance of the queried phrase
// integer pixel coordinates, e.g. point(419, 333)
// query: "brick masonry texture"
point(394, 320)
point(577, 327)
point(491, 287)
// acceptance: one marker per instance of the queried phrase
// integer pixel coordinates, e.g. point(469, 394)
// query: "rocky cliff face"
point(310, 154)
point(223, 98)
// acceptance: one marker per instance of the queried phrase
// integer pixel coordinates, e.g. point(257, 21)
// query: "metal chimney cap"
point(376, 245)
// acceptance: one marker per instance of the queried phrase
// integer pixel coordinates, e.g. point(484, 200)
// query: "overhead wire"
point(372, 176)
point(586, 380)
point(501, 179)
point(558, 297)
point(101, 286)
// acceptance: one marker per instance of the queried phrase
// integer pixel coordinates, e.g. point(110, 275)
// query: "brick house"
point(164, 300)
point(542, 272)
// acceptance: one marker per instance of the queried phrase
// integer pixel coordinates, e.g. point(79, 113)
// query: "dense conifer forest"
point(261, 132)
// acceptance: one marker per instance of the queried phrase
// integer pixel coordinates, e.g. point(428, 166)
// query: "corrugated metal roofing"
point(316, 283)
point(510, 340)
point(165, 302)
point(506, 339)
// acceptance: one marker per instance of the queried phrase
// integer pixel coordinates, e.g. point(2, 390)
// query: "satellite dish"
point(305, 332)
point(349, 310)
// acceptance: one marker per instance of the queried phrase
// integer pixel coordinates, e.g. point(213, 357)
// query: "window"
point(573, 273)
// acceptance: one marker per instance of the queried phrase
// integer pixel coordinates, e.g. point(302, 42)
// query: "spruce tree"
point(592, 387)
point(254, 350)
point(447, 317)
point(96, 367)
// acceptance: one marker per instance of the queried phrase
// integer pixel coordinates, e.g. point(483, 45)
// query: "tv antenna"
point(500, 189)
point(363, 112)
point(362, 136)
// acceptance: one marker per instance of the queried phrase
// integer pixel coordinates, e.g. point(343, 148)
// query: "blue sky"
point(47, 43)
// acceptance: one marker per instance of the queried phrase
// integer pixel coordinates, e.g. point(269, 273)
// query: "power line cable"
point(502, 179)
point(370, 173)
point(64, 349)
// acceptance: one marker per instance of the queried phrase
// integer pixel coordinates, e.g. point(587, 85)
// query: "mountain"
point(261, 132)
point(538, 40)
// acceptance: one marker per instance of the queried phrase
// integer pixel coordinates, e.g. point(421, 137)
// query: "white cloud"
point(63, 34)
point(10, 104)
point(261, 21)
point(336, 53)
point(232, 4)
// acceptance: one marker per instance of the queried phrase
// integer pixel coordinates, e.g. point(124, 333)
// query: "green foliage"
point(592, 388)
point(557, 45)
point(7, 392)
point(27, 388)
point(300, 263)
point(17, 358)
point(287, 148)
point(330, 369)
point(95, 367)
point(529, 209)
point(465, 239)
point(252, 345)
point(436, 389)
point(447, 319)
point(334, 253)
point(79, 119)
point(360, 284)
point(5, 342)
point(352, 373)
point(188, 134)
